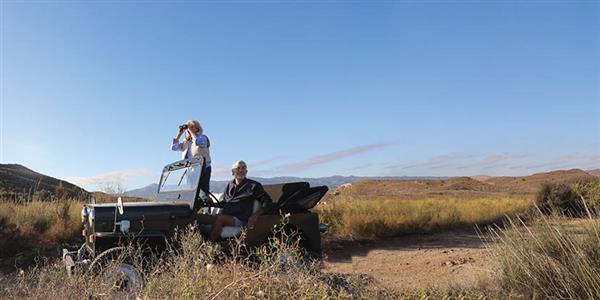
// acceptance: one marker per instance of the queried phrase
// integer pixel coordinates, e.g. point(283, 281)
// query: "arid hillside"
point(595, 172)
point(18, 183)
point(458, 186)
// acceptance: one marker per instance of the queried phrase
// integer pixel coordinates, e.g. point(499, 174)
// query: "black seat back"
point(282, 191)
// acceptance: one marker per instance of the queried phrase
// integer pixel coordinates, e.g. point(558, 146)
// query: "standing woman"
point(196, 144)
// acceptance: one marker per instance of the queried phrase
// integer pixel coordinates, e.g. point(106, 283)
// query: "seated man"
point(238, 198)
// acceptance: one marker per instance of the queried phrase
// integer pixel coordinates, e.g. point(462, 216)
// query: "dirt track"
point(457, 258)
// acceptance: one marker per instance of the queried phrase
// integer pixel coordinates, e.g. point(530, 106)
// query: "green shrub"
point(575, 199)
point(590, 191)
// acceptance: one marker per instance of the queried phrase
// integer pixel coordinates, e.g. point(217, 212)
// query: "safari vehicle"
point(109, 227)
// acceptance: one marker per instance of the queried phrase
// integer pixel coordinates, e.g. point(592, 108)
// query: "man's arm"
point(265, 199)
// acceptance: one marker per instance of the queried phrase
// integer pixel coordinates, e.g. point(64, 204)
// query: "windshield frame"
point(171, 195)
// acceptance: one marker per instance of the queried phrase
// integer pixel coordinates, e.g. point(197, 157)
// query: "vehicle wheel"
point(121, 281)
point(296, 252)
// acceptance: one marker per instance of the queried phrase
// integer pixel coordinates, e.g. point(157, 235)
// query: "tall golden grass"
point(351, 217)
point(33, 231)
point(554, 258)
point(46, 221)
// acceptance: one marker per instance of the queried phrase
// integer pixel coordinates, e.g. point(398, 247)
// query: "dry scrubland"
point(541, 252)
point(388, 217)
point(34, 229)
point(198, 270)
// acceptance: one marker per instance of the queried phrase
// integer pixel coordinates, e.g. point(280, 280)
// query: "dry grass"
point(549, 259)
point(198, 270)
point(381, 217)
point(48, 221)
point(32, 231)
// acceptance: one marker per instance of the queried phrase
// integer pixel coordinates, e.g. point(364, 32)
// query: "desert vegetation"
point(35, 230)
point(553, 255)
point(576, 198)
point(545, 245)
point(393, 217)
point(197, 269)
point(553, 258)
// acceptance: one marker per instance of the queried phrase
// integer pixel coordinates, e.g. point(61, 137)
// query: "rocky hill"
point(19, 183)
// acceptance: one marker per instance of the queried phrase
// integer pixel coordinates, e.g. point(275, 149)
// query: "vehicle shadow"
point(343, 250)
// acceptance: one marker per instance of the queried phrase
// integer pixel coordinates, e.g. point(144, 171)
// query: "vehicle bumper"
point(76, 260)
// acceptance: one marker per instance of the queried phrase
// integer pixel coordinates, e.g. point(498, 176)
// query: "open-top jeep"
point(109, 227)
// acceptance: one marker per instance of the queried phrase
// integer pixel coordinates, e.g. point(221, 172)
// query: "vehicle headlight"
point(84, 214)
point(92, 217)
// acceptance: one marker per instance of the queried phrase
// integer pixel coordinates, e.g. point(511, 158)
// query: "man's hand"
point(252, 220)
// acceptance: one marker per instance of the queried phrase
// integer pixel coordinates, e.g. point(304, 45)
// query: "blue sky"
point(93, 92)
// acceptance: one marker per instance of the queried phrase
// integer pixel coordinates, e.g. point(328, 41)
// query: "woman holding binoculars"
point(195, 144)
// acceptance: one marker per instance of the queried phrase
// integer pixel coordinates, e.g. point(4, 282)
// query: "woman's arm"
point(200, 140)
point(176, 145)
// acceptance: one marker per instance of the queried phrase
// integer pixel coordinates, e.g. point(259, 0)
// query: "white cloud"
point(110, 177)
point(440, 161)
point(329, 157)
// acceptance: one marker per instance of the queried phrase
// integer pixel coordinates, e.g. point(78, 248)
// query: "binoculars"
point(184, 126)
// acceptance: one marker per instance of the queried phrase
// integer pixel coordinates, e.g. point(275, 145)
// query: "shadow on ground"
point(343, 250)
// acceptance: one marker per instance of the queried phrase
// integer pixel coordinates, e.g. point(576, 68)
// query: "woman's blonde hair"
point(195, 123)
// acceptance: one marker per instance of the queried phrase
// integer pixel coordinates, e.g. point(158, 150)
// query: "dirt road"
point(457, 258)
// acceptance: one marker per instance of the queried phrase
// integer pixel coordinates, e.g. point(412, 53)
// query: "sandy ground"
point(457, 258)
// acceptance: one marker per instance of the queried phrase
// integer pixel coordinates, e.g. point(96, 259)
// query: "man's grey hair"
point(195, 123)
point(239, 163)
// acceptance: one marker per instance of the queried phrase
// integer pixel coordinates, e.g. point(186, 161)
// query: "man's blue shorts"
point(238, 222)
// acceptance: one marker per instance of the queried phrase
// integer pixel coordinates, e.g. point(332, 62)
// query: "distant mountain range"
point(332, 182)
point(18, 183)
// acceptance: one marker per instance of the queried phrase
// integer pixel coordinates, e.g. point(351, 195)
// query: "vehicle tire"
point(289, 236)
point(119, 278)
point(122, 281)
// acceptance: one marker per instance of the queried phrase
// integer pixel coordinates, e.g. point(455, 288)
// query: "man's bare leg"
point(205, 219)
point(220, 221)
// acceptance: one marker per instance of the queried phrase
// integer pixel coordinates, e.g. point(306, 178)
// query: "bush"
point(590, 191)
point(576, 199)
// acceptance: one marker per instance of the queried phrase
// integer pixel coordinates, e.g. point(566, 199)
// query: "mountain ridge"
point(20, 183)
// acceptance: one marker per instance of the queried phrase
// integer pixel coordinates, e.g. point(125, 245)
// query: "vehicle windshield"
point(179, 180)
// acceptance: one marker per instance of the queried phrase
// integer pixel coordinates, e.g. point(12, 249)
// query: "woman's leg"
point(205, 179)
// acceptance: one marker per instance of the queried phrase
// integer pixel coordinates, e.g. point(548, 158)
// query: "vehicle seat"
point(234, 231)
